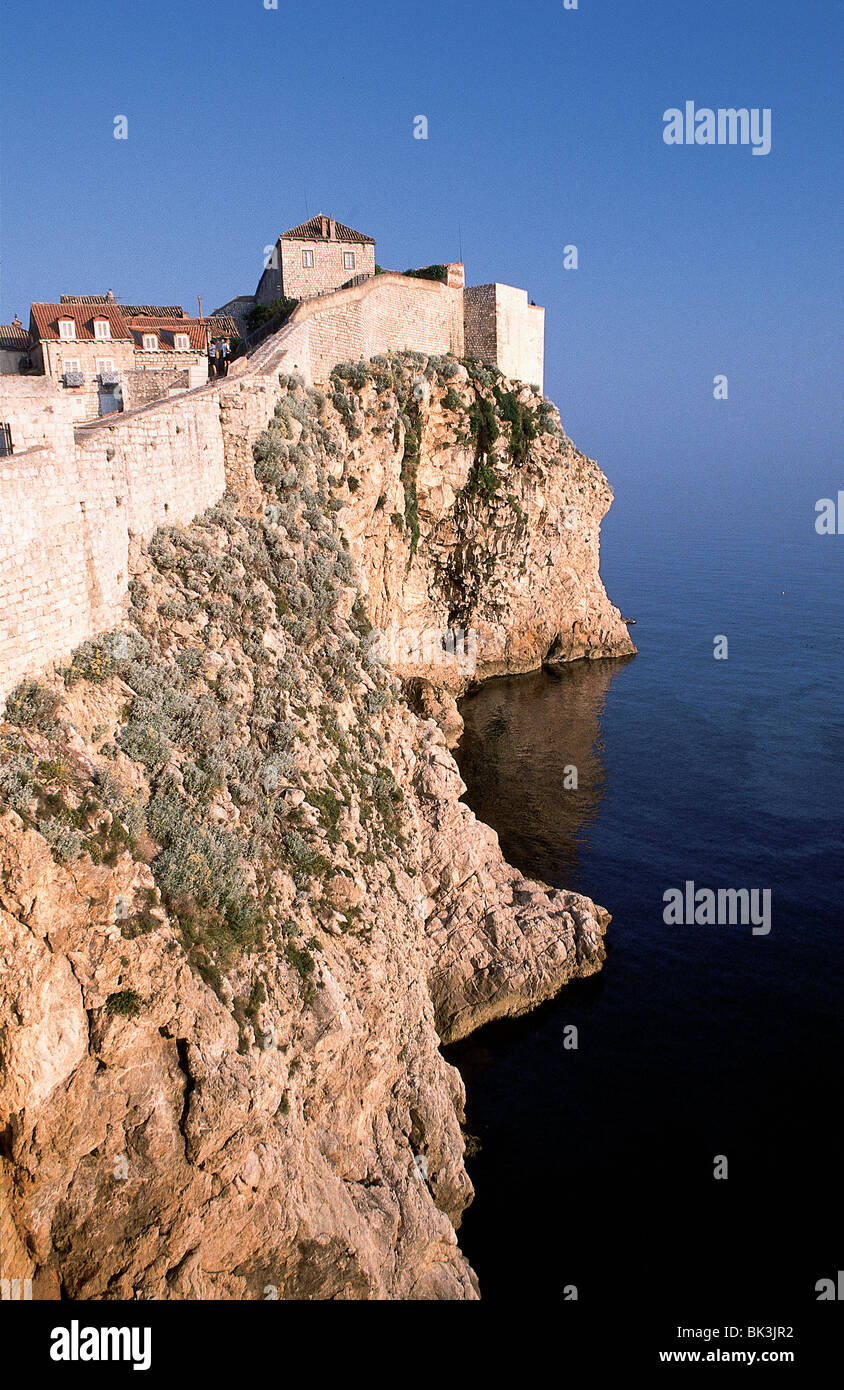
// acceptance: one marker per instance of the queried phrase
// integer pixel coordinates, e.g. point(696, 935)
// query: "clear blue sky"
point(545, 128)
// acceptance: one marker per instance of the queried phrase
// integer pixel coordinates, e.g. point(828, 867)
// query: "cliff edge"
point(241, 902)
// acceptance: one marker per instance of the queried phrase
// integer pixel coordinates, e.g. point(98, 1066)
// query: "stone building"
point(237, 309)
point(85, 348)
point(500, 326)
point(322, 255)
point(15, 344)
point(319, 255)
point(170, 354)
point(114, 357)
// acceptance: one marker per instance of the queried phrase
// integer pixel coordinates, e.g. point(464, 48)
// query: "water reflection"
point(523, 736)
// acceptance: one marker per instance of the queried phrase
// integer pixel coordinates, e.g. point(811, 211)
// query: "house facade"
point(86, 349)
point(111, 357)
point(169, 354)
point(313, 258)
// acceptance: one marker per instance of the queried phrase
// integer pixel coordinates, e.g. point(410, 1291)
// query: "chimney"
point(324, 222)
point(110, 296)
point(16, 321)
point(333, 229)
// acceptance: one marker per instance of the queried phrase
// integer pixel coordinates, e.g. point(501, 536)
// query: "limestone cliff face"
point(241, 902)
point(473, 510)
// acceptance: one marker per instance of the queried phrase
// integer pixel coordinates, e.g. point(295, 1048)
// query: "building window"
point(348, 260)
point(102, 328)
point(150, 342)
point(104, 364)
point(5, 441)
point(67, 328)
point(181, 342)
point(72, 372)
point(308, 259)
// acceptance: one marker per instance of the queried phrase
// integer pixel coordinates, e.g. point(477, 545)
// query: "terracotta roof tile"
point(222, 326)
point(312, 231)
point(153, 311)
point(198, 330)
point(45, 320)
point(162, 311)
point(166, 329)
point(14, 338)
point(87, 298)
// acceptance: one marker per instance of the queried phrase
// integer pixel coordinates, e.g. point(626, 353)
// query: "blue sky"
point(545, 129)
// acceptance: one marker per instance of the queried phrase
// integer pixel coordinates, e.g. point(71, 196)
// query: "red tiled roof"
point(165, 330)
point(87, 298)
point(198, 330)
point(45, 320)
point(153, 311)
point(162, 311)
point(312, 231)
point(14, 338)
point(222, 326)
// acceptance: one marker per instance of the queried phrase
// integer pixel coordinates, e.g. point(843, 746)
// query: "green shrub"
point(17, 778)
point(66, 844)
point(483, 425)
point(429, 272)
point(357, 374)
point(125, 1003)
point(522, 421)
point(146, 737)
point(276, 312)
point(32, 705)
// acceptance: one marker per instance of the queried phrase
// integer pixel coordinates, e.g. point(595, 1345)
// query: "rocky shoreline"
point(241, 901)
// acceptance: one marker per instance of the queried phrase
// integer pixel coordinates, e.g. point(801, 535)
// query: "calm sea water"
point(596, 1165)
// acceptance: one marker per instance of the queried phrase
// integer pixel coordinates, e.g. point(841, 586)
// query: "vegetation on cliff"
point(242, 896)
point(247, 649)
point(242, 754)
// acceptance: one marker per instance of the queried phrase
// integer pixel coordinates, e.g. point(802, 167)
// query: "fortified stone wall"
point(389, 313)
point(71, 505)
point(37, 413)
point(68, 513)
point(502, 327)
point(480, 335)
point(147, 384)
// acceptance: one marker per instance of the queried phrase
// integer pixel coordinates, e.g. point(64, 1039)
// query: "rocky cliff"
point(472, 510)
point(241, 902)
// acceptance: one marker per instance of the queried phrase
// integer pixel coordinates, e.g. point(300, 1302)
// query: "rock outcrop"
point(241, 901)
point(471, 509)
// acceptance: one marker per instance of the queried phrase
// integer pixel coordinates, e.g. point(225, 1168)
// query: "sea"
point(664, 1140)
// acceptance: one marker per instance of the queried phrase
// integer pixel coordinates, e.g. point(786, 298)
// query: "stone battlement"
point(75, 503)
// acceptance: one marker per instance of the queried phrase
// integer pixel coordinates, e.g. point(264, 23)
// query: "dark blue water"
point(596, 1165)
